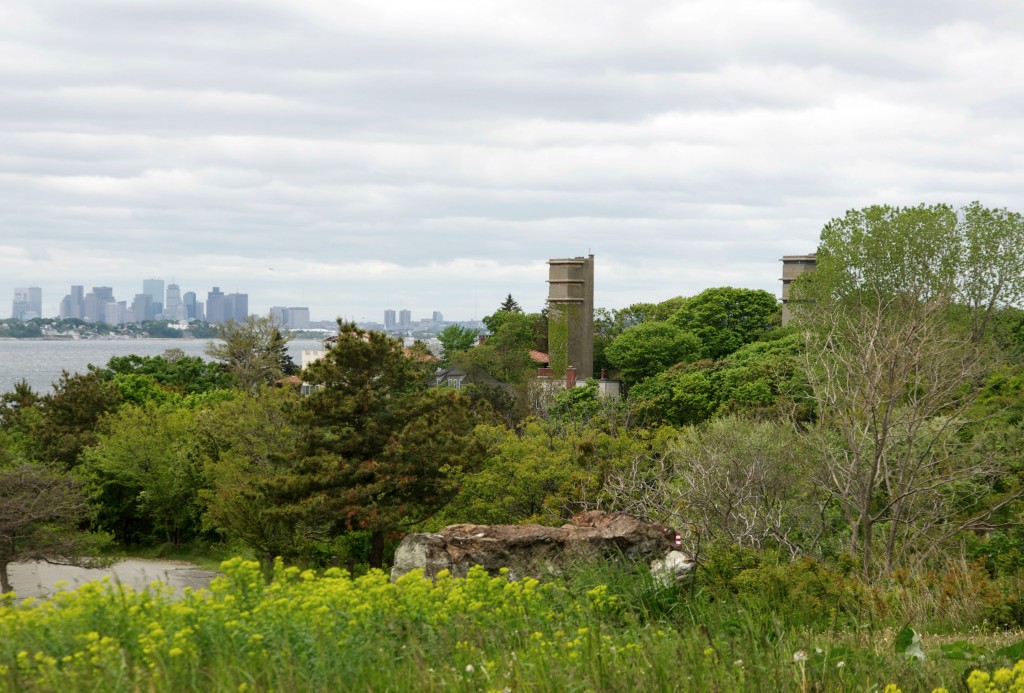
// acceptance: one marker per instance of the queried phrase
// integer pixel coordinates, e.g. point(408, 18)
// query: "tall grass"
point(603, 628)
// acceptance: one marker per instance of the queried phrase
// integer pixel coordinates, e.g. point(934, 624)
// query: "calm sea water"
point(41, 362)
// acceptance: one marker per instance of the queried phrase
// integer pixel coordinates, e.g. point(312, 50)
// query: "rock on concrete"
point(533, 550)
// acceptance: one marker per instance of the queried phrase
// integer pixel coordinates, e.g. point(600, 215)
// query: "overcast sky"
point(358, 155)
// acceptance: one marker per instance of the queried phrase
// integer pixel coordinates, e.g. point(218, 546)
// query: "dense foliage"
point(862, 467)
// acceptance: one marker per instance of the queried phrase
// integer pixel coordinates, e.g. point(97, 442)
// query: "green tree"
point(249, 445)
point(70, 417)
point(764, 378)
point(253, 351)
point(992, 260)
point(510, 305)
point(505, 355)
point(382, 452)
point(726, 318)
point(145, 472)
point(649, 348)
point(543, 473)
point(173, 370)
point(455, 339)
point(894, 368)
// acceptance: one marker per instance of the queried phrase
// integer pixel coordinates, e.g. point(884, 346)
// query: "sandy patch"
point(38, 579)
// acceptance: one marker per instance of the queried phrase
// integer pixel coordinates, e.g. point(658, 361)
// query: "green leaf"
point(908, 644)
point(1012, 652)
point(961, 649)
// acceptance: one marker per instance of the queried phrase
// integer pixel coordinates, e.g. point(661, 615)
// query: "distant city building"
point(154, 288)
point(114, 313)
point(236, 307)
point(389, 319)
point(405, 318)
point(28, 303)
point(73, 305)
point(571, 315)
point(792, 267)
point(279, 314)
point(215, 306)
point(96, 302)
point(298, 318)
point(188, 300)
point(437, 316)
point(142, 308)
point(293, 318)
point(174, 309)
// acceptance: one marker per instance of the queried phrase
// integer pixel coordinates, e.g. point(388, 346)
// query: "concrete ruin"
point(537, 551)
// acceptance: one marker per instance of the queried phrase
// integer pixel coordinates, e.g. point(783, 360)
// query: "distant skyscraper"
point(405, 318)
point(28, 303)
point(298, 317)
point(189, 301)
point(73, 305)
point(389, 319)
point(142, 308)
point(154, 288)
point(437, 317)
point(215, 306)
point(280, 315)
point(96, 301)
point(173, 308)
point(114, 312)
point(236, 307)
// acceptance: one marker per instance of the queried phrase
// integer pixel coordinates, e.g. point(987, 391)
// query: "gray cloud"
point(433, 155)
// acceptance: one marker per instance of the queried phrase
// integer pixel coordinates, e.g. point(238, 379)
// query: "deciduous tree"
point(894, 369)
point(253, 350)
point(41, 511)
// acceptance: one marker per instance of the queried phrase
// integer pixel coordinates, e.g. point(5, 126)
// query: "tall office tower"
point(142, 308)
point(20, 305)
point(189, 301)
point(96, 301)
point(405, 318)
point(35, 301)
point(298, 317)
point(437, 316)
point(28, 303)
point(154, 288)
point(236, 307)
point(73, 305)
point(389, 319)
point(215, 306)
point(279, 314)
point(173, 308)
point(571, 315)
point(200, 310)
point(114, 312)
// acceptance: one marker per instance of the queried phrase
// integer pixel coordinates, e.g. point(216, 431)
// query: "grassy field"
point(602, 629)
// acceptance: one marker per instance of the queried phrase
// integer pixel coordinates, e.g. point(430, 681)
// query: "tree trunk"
point(865, 547)
point(377, 549)
point(5, 583)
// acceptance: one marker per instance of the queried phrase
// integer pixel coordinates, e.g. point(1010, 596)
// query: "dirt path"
point(38, 579)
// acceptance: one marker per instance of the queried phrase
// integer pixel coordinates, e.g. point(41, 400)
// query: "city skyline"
point(354, 157)
point(159, 298)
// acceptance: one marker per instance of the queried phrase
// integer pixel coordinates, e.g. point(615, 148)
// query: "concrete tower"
point(571, 315)
point(792, 267)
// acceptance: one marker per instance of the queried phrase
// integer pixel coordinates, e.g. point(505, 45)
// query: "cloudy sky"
point(356, 155)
